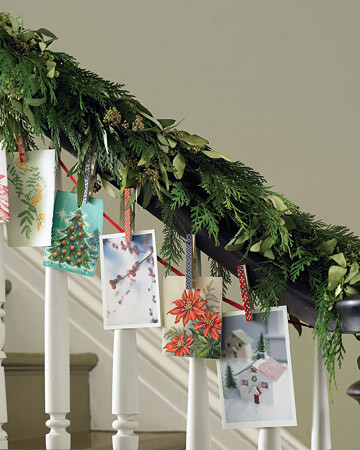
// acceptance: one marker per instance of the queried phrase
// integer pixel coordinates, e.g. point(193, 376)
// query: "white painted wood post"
point(320, 432)
point(269, 439)
point(125, 390)
point(3, 407)
point(57, 358)
point(197, 425)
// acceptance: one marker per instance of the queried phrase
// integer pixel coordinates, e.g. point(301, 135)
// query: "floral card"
point(31, 198)
point(255, 374)
point(4, 195)
point(192, 317)
point(75, 235)
point(130, 284)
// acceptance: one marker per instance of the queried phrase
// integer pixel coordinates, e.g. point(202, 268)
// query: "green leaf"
point(124, 178)
point(164, 177)
point(27, 36)
point(42, 46)
point(193, 139)
point(216, 155)
point(36, 101)
point(355, 279)
point(28, 113)
point(105, 139)
point(358, 362)
point(167, 122)
point(236, 243)
point(203, 339)
point(164, 148)
point(204, 351)
point(147, 195)
point(172, 142)
point(46, 32)
point(155, 121)
point(132, 199)
point(351, 290)
point(266, 245)
point(15, 23)
point(80, 189)
point(256, 247)
point(72, 170)
point(278, 202)
point(339, 258)
point(335, 275)
point(108, 188)
point(354, 269)
point(84, 147)
point(269, 254)
point(179, 164)
point(329, 246)
point(162, 139)
point(17, 105)
point(146, 155)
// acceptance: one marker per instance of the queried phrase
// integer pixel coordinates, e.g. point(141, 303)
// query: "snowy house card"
point(75, 235)
point(255, 374)
point(31, 198)
point(4, 195)
point(192, 317)
point(130, 283)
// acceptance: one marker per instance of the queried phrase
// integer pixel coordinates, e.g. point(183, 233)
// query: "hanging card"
point(130, 283)
point(255, 373)
point(75, 235)
point(4, 194)
point(192, 317)
point(31, 198)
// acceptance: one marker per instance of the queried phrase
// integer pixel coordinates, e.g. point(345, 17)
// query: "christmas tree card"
point(4, 195)
point(130, 284)
point(31, 198)
point(192, 317)
point(255, 374)
point(75, 235)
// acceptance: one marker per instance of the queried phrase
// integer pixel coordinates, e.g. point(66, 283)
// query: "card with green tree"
point(75, 235)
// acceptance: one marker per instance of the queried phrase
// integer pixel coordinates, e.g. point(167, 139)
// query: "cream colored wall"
point(274, 84)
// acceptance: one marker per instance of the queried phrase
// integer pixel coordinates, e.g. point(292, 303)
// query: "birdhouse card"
point(130, 283)
point(4, 195)
point(255, 373)
point(31, 198)
point(75, 235)
point(192, 317)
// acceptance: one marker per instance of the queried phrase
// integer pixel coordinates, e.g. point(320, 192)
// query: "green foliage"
point(217, 270)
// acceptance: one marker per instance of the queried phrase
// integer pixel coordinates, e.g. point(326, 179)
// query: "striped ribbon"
point(189, 262)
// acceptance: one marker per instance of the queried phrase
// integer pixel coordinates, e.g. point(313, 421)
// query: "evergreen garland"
point(43, 91)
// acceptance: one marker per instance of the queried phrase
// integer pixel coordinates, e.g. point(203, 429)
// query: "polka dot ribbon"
point(241, 270)
point(189, 260)
point(127, 216)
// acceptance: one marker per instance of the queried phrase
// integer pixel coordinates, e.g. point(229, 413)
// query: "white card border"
point(104, 286)
point(268, 423)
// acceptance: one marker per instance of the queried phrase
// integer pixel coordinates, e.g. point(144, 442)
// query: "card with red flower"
point(4, 195)
point(192, 317)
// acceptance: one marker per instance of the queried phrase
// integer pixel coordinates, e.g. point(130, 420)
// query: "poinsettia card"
point(130, 284)
point(75, 235)
point(192, 317)
point(31, 198)
point(4, 195)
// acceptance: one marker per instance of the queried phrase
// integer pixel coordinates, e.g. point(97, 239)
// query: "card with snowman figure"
point(255, 373)
point(130, 283)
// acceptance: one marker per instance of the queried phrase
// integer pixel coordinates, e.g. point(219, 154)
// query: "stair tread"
point(102, 440)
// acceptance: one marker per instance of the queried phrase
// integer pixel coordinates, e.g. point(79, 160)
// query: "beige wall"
point(274, 84)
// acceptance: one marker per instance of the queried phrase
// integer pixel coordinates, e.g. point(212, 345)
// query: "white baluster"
point(320, 433)
point(197, 424)
point(269, 439)
point(125, 390)
point(57, 360)
point(3, 408)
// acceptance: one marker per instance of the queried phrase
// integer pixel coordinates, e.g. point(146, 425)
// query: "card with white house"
point(255, 373)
